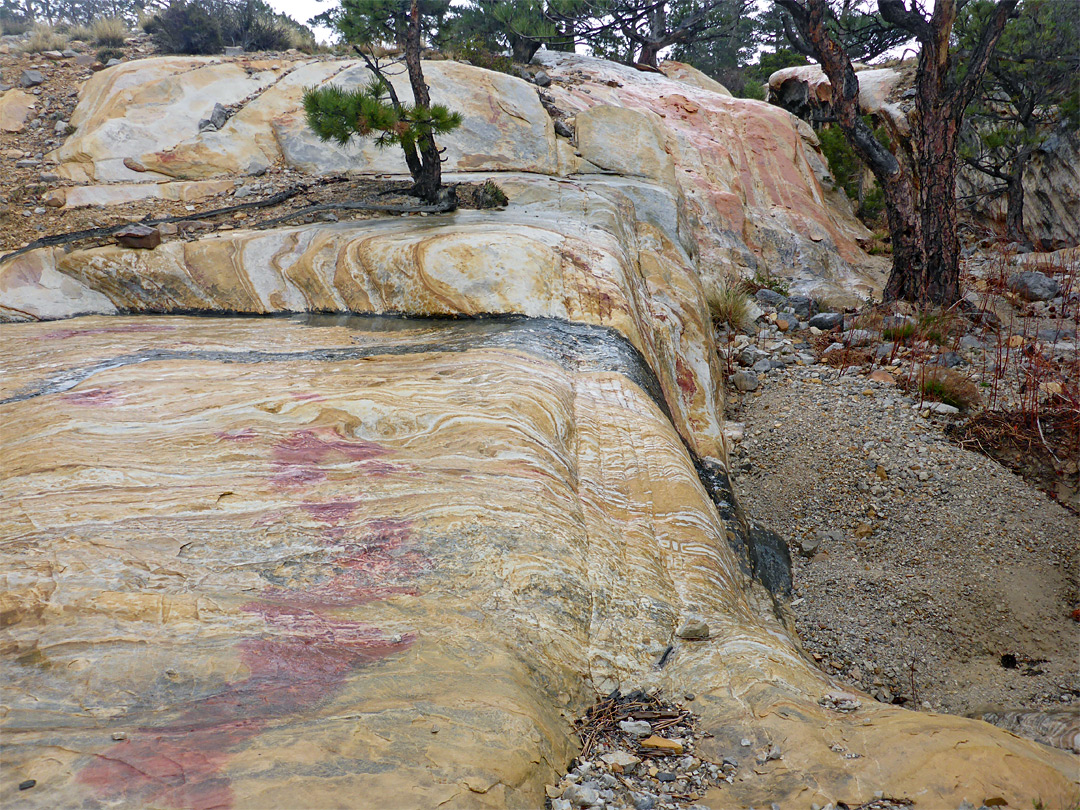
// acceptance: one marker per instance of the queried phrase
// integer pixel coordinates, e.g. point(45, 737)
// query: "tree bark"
point(523, 48)
point(648, 54)
point(1014, 206)
point(935, 125)
point(905, 227)
point(428, 180)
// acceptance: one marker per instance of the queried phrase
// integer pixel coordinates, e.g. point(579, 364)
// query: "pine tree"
point(376, 110)
point(1030, 90)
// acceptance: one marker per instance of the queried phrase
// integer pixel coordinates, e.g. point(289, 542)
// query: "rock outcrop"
point(1051, 193)
point(255, 562)
point(743, 175)
point(1051, 177)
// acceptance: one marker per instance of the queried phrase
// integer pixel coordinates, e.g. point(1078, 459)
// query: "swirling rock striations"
point(742, 174)
point(329, 559)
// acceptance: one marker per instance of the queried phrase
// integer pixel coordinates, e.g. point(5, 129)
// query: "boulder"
point(745, 381)
point(827, 320)
point(31, 78)
point(770, 297)
point(1032, 285)
point(803, 306)
point(138, 236)
point(218, 116)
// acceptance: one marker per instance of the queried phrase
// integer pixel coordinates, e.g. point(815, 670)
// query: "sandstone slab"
point(119, 193)
point(254, 562)
point(15, 107)
point(745, 176)
point(616, 268)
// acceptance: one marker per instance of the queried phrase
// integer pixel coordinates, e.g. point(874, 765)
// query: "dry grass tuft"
point(728, 302)
point(44, 38)
point(109, 32)
point(83, 33)
point(948, 386)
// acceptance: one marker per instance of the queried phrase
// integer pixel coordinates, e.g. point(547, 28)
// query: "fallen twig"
point(93, 233)
point(359, 206)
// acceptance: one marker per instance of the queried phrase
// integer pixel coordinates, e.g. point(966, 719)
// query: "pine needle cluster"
point(338, 114)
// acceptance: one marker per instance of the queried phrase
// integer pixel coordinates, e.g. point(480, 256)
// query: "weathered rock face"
point(285, 563)
point(741, 174)
point(270, 562)
point(1051, 193)
point(1051, 177)
point(806, 92)
point(611, 263)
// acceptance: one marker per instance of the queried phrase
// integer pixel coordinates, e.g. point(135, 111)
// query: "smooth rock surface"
point(744, 175)
point(15, 107)
point(255, 562)
point(1032, 285)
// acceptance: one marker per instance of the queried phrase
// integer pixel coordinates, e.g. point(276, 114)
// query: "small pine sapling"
point(338, 114)
point(375, 110)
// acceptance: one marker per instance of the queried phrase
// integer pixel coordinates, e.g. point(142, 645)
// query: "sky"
point(304, 10)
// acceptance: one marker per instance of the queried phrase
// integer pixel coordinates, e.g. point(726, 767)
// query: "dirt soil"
point(925, 573)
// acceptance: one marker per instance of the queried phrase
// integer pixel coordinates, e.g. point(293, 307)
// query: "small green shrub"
point(900, 334)
point(254, 26)
point(490, 195)
point(207, 26)
point(475, 52)
point(44, 38)
point(938, 326)
point(105, 54)
point(109, 32)
point(186, 28)
point(848, 171)
point(767, 281)
point(873, 204)
point(755, 90)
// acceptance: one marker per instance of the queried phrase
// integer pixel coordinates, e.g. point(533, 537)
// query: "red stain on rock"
point(107, 330)
point(331, 512)
point(302, 659)
point(299, 459)
point(321, 444)
point(685, 377)
point(291, 476)
point(94, 398)
point(378, 565)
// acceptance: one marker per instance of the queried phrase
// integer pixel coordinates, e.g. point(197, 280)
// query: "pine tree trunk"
point(905, 230)
point(428, 180)
point(937, 208)
point(1014, 195)
point(523, 49)
point(935, 130)
point(648, 54)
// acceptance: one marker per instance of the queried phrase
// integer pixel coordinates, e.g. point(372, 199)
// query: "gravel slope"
point(934, 562)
